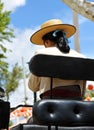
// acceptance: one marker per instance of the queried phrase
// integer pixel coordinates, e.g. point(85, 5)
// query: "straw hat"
point(49, 26)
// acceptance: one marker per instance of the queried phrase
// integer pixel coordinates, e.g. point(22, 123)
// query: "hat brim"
point(36, 38)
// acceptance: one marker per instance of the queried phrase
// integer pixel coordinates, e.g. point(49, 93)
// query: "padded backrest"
point(62, 67)
point(64, 112)
point(4, 114)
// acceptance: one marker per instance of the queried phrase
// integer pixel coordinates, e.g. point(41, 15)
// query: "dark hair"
point(58, 37)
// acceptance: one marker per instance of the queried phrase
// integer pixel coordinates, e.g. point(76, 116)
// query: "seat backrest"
point(62, 67)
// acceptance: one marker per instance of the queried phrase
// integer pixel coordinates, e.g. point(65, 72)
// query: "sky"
point(26, 18)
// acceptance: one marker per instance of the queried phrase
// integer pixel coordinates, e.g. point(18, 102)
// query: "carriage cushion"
point(64, 112)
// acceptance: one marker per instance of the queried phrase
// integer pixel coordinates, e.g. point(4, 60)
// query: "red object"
point(90, 87)
point(63, 92)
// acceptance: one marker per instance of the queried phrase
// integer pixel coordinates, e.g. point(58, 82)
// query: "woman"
point(54, 36)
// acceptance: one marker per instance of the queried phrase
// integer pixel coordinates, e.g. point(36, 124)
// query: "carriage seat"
point(60, 114)
point(63, 112)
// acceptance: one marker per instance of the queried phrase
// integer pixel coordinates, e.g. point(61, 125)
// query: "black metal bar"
point(51, 87)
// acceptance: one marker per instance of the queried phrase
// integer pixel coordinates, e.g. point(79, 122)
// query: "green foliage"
point(10, 123)
point(92, 94)
point(12, 79)
point(3, 72)
point(89, 93)
point(6, 33)
point(9, 79)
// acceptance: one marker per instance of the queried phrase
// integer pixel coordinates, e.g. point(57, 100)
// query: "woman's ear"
point(46, 43)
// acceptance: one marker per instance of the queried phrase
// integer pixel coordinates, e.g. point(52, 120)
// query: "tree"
point(6, 33)
point(12, 78)
point(9, 79)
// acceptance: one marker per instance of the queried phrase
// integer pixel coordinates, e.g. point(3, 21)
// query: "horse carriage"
point(57, 114)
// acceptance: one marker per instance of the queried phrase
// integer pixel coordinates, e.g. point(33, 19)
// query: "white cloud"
point(82, 19)
point(21, 47)
point(11, 5)
point(19, 95)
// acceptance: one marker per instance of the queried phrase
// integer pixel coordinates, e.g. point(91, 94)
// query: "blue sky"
point(28, 15)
